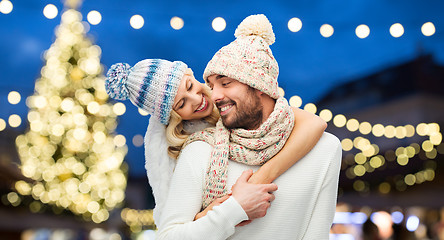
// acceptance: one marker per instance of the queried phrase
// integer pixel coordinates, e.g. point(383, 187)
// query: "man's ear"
point(259, 93)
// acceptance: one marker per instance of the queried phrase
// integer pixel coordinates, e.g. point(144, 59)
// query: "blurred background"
point(72, 160)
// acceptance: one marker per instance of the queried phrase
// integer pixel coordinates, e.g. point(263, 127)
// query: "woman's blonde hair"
point(176, 135)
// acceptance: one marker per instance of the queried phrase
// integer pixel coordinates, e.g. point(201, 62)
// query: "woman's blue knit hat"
point(150, 85)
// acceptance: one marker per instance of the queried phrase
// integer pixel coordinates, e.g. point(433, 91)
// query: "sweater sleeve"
point(323, 213)
point(184, 201)
point(159, 166)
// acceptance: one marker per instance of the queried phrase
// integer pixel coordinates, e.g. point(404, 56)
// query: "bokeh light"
point(138, 140)
point(365, 128)
point(358, 217)
point(412, 223)
point(137, 21)
point(176, 23)
point(326, 115)
point(397, 30)
point(347, 144)
point(219, 24)
point(310, 107)
point(362, 31)
point(384, 222)
point(295, 101)
point(352, 125)
point(119, 108)
point(94, 17)
point(6, 7)
point(14, 97)
point(339, 120)
point(142, 112)
point(50, 11)
point(326, 30)
point(397, 217)
point(384, 188)
point(295, 24)
point(119, 140)
point(14, 120)
point(281, 92)
point(428, 29)
point(2, 124)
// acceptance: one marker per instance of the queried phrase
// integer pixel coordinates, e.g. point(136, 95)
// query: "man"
point(243, 77)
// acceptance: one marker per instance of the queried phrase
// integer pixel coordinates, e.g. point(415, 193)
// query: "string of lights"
point(219, 24)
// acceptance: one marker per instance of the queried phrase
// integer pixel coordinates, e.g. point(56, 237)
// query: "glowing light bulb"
point(310, 107)
point(14, 120)
point(219, 24)
point(295, 24)
point(397, 217)
point(176, 23)
point(14, 97)
point(326, 115)
point(94, 17)
point(281, 92)
point(119, 108)
point(327, 30)
point(137, 21)
point(428, 29)
point(412, 223)
point(339, 120)
point(6, 7)
point(295, 101)
point(50, 11)
point(2, 124)
point(362, 31)
point(143, 112)
point(397, 30)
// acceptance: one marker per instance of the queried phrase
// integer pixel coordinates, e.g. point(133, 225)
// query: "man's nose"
point(216, 94)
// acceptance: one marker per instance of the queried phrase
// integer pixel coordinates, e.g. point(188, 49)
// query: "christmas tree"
point(70, 149)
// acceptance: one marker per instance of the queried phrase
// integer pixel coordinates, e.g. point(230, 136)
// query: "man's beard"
point(248, 113)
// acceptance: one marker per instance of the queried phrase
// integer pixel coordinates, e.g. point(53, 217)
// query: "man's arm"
point(185, 200)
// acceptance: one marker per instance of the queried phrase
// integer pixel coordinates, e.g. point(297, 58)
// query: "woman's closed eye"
point(182, 103)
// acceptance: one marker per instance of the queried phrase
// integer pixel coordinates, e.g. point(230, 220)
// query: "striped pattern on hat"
point(150, 85)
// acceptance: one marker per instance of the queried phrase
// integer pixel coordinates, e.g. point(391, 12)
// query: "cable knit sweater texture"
point(303, 209)
point(159, 166)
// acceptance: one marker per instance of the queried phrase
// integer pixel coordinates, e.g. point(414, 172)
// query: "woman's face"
point(191, 101)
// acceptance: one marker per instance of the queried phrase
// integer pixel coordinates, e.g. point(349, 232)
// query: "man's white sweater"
point(303, 209)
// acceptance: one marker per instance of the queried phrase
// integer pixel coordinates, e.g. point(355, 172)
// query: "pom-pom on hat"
point(249, 59)
point(150, 85)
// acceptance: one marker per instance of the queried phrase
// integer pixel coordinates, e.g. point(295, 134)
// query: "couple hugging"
point(230, 158)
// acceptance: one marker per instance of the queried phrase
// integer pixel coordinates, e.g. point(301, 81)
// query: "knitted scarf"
point(251, 147)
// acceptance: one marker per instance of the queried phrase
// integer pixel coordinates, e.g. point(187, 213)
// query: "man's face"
point(239, 104)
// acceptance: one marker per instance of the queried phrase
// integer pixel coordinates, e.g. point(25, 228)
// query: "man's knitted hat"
point(150, 85)
point(249, 59)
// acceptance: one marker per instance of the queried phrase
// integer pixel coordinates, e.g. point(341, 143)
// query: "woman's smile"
point(203, 106)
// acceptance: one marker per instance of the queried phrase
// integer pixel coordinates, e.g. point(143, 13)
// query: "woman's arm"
point(216, 202)
point(307, 130)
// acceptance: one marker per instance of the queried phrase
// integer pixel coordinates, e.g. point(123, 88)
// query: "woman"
point(179, 106)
